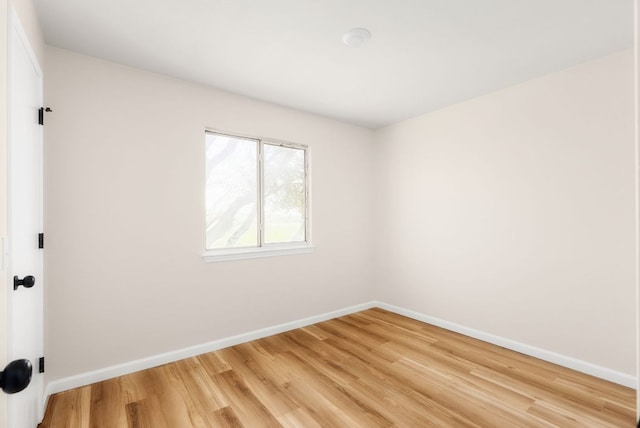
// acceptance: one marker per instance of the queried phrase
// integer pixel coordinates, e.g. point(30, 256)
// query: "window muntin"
point(256, 193)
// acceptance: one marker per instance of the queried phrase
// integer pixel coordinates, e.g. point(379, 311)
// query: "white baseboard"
point(543, 354)
point(99, 375)
point(88, 378)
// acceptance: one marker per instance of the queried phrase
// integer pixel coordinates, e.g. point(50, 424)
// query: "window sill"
point(212, 256)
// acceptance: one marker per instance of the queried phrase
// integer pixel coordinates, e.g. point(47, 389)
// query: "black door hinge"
point(41, 365)
point(40, 240)
point(41, 112)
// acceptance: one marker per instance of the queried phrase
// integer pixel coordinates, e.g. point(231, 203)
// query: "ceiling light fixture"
point(356, 37)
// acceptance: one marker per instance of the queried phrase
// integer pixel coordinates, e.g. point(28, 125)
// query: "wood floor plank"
point(246, 405)
point(145, 413)
point(320, 408)
point(254, 371)
point(316, 378)
point(369, 369)
point(224, 418)
point(298, 418)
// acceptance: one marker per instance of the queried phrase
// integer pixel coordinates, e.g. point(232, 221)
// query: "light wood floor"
point(370, 369)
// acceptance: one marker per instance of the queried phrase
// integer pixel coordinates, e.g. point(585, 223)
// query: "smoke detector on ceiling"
point(356, 37)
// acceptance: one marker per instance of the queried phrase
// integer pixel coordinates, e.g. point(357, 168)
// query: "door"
point(25, 338)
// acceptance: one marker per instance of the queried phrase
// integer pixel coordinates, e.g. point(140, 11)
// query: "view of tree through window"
point(284, 194)
point(232, 184)
point(240, 192)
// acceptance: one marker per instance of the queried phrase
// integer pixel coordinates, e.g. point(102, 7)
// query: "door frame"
point(16, 30)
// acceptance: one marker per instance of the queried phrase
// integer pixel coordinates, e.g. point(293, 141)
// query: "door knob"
point(27, 282)
point(16, 376)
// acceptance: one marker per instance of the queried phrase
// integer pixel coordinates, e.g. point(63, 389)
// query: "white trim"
point(88, 378)
point(256, 252)
point(308, 236)
point(16, 25)
point(636, 183)
point(543, 354)
point(255, 137)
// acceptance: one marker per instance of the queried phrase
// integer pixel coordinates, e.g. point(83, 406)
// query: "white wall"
point(124, 217)
point(513, 213)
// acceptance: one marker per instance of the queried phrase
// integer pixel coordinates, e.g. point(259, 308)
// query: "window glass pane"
point(231, 191)
point(284, 194)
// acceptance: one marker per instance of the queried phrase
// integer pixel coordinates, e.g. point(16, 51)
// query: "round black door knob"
point(16, 376)
point(26, 282)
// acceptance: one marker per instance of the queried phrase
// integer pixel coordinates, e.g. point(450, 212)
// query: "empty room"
point(279, 213)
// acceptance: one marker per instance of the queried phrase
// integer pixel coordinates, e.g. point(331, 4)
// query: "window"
point(256, 197)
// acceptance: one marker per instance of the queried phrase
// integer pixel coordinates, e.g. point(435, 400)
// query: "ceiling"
point(423, 54)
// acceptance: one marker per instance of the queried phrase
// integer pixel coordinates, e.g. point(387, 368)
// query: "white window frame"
point(263, 249)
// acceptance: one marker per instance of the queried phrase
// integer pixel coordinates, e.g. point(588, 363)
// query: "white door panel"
point(25, 222)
